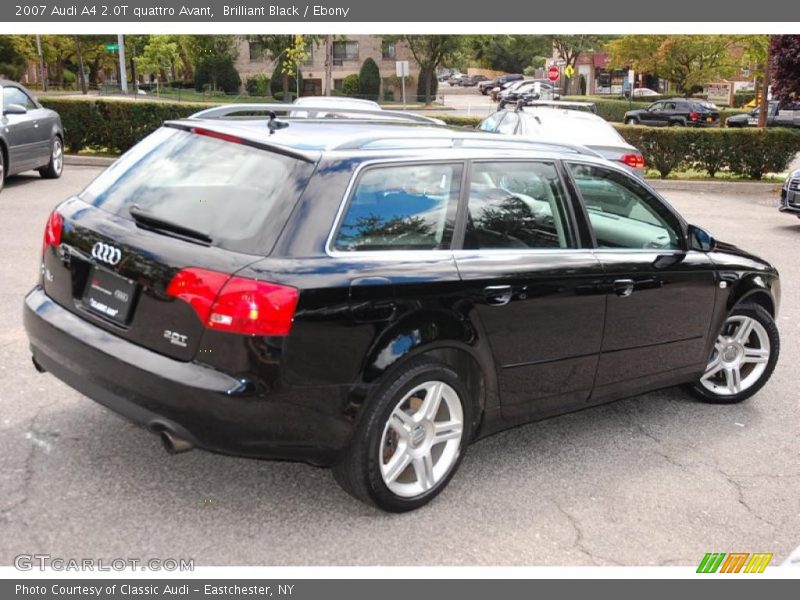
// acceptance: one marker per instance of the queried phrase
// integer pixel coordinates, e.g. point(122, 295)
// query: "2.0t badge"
point(106, 253)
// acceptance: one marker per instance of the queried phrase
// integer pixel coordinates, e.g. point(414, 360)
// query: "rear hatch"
point(179, 200)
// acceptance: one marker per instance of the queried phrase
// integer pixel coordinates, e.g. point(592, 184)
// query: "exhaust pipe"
point(174, 444)
point(37, 366)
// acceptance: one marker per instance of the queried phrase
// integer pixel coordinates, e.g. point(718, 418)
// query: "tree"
point(159, 56)
point(510, 53)
point(785, 65)
point(687, 61)
point(369, 80)
point(570, 47)
point(295, 55)
point(213, 57)
point(430, 52)
point(13, 61)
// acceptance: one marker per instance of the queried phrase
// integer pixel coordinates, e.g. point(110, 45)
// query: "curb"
point(727, 187)
point(88, 161)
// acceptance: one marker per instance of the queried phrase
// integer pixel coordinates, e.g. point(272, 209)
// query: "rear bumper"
point(210, 409)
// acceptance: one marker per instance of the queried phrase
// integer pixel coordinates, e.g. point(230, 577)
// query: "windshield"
point(238, 195)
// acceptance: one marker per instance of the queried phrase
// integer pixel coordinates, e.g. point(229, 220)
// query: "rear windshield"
point(238, 195)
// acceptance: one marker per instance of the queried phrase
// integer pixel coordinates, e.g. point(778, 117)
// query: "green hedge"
point(113, 125)
point(116, 125)
point(746, 152)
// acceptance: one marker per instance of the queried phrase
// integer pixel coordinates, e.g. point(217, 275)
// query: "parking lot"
point(654, 480)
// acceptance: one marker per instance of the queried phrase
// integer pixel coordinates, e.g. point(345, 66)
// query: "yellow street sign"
point(569, 71)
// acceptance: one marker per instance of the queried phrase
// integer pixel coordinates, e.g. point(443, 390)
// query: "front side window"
point(14, 95)
point(401, 207)
point(516, 205)
point(623, 213)
point(657, 107)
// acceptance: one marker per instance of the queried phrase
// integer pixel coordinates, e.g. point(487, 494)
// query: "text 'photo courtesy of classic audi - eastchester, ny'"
point(372, 292)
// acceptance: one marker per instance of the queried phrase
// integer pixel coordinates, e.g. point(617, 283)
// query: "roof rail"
point(306, 111)
point(567, 104)
point(486, 140)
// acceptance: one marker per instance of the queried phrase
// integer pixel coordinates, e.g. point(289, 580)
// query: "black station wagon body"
point(387, 248)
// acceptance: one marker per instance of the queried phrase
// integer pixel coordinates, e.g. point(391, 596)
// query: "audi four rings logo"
point(108, 254)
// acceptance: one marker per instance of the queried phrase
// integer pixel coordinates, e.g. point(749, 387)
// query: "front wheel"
point(631, 121)
point(410, 440)
point(744, 356)
point(55, 167)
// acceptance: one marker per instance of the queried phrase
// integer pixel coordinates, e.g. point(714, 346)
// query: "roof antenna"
point(520, 105)
point(273, 124)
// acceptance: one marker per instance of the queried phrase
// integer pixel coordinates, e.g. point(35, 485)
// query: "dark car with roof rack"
point(374, 295)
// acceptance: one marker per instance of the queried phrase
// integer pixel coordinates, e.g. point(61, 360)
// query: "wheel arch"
point(756, 289)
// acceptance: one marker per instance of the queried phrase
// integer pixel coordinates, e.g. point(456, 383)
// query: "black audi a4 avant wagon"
point(373, 293)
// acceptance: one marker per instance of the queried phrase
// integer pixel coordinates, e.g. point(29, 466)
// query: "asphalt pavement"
point(654, 480)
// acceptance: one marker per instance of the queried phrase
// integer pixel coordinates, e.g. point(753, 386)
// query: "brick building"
point(346, 54)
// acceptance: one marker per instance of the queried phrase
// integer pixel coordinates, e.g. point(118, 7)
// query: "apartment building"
point(347, 54)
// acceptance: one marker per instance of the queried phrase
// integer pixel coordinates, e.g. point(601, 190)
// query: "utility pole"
point(42, 74)
point(328, 65)
point(762, 113)
point(123, 76)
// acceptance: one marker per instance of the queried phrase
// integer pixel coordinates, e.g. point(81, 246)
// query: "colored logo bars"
point(735, 562)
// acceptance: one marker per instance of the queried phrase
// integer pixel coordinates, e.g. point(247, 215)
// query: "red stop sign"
point(552, 73)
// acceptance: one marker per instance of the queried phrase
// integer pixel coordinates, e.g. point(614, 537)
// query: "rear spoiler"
point(306, 111)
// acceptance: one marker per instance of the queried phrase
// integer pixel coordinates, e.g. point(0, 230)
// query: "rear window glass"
point(403, 207)
point(238, 195)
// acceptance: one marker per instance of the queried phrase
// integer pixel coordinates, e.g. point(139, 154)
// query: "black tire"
point(631, 121)
point(677, 124)
point(762, 316)
point(359, 470)
point(55, 167)
point(2, 169)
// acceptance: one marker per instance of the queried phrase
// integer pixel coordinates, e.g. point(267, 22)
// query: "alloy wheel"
point(421, 441)
point(741, 354)
point(58, 156)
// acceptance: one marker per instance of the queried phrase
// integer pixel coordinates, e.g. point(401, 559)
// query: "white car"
point(644, 93)
point(335, 102)
point(581, 128)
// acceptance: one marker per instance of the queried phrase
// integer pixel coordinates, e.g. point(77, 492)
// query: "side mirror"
point(14, 109)
point(700, 239)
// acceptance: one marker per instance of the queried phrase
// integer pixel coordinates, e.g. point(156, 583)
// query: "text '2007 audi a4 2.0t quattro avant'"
point(374, 292)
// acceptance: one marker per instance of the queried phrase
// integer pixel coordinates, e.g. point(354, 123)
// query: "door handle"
point(623, 287)
point(498, 295)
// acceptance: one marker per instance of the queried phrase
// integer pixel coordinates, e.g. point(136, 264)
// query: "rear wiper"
point(149, 220)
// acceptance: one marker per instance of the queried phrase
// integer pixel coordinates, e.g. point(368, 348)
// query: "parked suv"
point(31, 136)
point(376, 295)
point(675, 112)
point(487, 86)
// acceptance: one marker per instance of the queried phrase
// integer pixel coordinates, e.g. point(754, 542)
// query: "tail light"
point(694, 116)
point(236, 304)
point(635, 161)
point(52, 231)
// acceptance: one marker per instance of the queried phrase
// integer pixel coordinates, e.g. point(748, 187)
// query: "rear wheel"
point(2, 169)
point(55, 167)
point(410, 441)
point(744, 356)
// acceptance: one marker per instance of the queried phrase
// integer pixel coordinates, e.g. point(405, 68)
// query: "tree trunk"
point(81, 73)
point(762, 113)
point(286, 87)
point(428, 83)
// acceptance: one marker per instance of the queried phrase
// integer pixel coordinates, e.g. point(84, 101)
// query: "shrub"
point(222, 76)
point(350, 85)
point(258, 85)
point(421, 86)
point(744, 152)
point(276, 82)
point(369, 80)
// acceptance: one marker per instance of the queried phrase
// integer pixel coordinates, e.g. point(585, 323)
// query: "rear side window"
point(238, 195)
point(516, 205)
point(401, 207)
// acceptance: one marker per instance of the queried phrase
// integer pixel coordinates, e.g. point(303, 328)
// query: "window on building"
point(256, 50)
point(338, 84)
point(345, 50)
point(310, 58)
point(388, 50)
